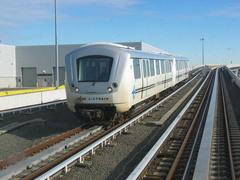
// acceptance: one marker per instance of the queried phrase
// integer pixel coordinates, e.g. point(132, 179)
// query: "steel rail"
point(190, 159)
point(138, 171)
point(227, 129)
point(40, 147)
point(186, 139)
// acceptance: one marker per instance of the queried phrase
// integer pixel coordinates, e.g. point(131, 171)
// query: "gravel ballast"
point(119, 160)
point(58, 121)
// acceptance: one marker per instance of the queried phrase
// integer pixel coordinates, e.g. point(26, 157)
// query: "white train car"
point(105, 80)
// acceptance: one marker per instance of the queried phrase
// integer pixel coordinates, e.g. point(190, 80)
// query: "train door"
point(145, 74)
point(138, 79)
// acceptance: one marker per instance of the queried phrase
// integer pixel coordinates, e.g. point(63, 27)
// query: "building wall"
point(149, 48)
point(144, 47)
point(43, 59)
point(7, 66)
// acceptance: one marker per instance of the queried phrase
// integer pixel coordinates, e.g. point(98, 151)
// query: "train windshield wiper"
point(100, 76)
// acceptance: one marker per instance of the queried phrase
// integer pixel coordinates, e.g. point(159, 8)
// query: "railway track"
point(225, 158)
point(83, 150)
point(204, 144)
point(173, 152)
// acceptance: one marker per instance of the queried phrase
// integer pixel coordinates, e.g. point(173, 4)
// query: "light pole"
point(202, 39)
point(56, 47)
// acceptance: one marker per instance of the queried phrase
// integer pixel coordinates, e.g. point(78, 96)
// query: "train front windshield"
point(94, 68)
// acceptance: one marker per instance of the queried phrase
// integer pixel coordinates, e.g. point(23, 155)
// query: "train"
point(107, 82)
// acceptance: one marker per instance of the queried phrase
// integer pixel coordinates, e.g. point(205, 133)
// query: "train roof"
point(131, 50)
point(180, 58)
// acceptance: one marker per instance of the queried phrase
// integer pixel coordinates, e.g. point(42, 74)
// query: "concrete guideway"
point(234, 74)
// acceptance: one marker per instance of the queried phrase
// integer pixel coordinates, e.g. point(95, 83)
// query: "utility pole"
point(56, 47)
point(202, 39)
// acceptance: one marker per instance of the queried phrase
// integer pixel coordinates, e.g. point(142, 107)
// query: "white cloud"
point(8, 23)
point(15, 13)
point(18, 14)
point(231, 12)
point(112, 3)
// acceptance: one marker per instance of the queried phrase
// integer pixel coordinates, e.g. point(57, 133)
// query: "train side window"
point(170, 64)
point(148, 72)
point(157, 67)
point(183, 65)
point(177, 65)
point(152, 70)
point(187, 65)
point(162, 67)
point(167, 66)
point(144, 68)
point(136, 68)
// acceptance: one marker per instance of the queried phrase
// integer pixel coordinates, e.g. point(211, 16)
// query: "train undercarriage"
point(107, 115)
point(97, 114)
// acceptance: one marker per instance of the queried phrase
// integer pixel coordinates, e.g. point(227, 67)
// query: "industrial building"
point(34, 66)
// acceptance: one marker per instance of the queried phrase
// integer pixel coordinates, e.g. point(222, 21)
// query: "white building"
point(7, 66)
point(34, 66)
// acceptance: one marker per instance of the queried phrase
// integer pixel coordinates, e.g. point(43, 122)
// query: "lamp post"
point(202, 39)
point(56, 47)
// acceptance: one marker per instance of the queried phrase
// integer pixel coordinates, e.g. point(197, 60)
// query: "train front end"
point(92, 82)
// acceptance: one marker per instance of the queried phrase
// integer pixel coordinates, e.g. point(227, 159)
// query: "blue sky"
point(175, 26)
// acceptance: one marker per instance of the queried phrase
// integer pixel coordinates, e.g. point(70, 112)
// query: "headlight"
point(76, 89)
point(109, 89)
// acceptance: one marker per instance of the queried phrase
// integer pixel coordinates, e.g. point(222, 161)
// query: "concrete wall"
point(234, 75)
point(7, 82)
point(7, 66)
point(29, 99)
